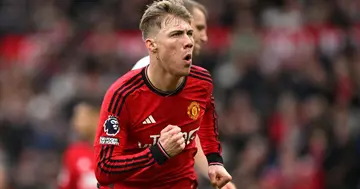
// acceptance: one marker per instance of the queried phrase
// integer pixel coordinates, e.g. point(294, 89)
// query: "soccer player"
point(77, 167)
point(199, 25)
point(150, 116)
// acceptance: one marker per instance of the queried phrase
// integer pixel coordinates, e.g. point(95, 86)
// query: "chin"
point(183, 72)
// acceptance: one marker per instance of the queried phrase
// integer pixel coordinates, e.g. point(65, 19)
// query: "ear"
point(151, 45)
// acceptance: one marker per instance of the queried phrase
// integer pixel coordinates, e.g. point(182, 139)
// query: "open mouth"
point(188, 57)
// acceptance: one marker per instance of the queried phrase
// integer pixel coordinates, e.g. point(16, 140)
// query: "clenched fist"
point(218, 175)
point(172, 140)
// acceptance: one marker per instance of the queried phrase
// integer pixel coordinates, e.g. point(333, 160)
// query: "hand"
point(218, 175)
point(172, 140)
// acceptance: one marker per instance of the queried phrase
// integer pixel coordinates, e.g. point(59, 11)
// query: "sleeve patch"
point(109, 140)
point(111, 126)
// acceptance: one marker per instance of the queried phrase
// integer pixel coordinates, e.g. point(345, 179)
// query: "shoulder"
point(121, 89)
point(142, 63)
point(127, 79)
point(200, 75)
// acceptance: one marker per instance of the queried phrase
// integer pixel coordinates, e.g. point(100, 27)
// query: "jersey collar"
point(158, 91)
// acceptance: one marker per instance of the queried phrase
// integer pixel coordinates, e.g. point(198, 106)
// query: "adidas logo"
point(149, 120)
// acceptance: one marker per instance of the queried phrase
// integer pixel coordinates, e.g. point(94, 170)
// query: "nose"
point(189, 42)
point(204, 37)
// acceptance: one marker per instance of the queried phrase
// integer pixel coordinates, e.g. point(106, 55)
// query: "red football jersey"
point(77, 170)
point(134, 112)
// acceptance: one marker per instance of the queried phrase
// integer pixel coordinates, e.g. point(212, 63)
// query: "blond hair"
point(157, 13)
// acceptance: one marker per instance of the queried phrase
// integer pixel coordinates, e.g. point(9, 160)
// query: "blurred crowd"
point(286, 74)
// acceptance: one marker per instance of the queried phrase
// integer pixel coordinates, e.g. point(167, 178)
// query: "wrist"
point(214, 159)
point(159, 153)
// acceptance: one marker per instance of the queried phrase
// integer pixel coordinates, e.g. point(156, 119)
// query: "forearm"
point(210, 144)
point(112, 167)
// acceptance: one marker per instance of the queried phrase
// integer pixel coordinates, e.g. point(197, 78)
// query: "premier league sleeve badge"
point(111, 126)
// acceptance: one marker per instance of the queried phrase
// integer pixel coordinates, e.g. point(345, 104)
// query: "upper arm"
point(113, 125)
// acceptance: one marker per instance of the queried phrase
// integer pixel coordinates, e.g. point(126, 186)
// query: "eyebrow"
point(177, 31)
point(181, 31)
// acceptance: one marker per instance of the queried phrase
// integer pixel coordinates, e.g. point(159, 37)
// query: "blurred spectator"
point(77, 165)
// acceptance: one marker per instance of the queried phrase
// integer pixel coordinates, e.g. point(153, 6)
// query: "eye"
point(200, 28)
point(190, 33)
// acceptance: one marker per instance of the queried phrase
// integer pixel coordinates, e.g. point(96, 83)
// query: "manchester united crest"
point(194, 110)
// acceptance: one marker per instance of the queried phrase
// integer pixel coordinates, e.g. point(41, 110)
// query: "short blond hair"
point(158, 11)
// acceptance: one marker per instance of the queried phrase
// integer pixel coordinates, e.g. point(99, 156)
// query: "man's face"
point(175, 45)
point(199, 25)
point(85, 120)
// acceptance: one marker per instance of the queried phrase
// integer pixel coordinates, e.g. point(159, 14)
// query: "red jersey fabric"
point(77, 170)
point(127, 152)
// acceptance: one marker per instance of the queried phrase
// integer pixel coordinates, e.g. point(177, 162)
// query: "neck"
point(162, 79)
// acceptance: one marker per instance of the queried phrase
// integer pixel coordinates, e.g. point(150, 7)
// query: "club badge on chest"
point(194, 110)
